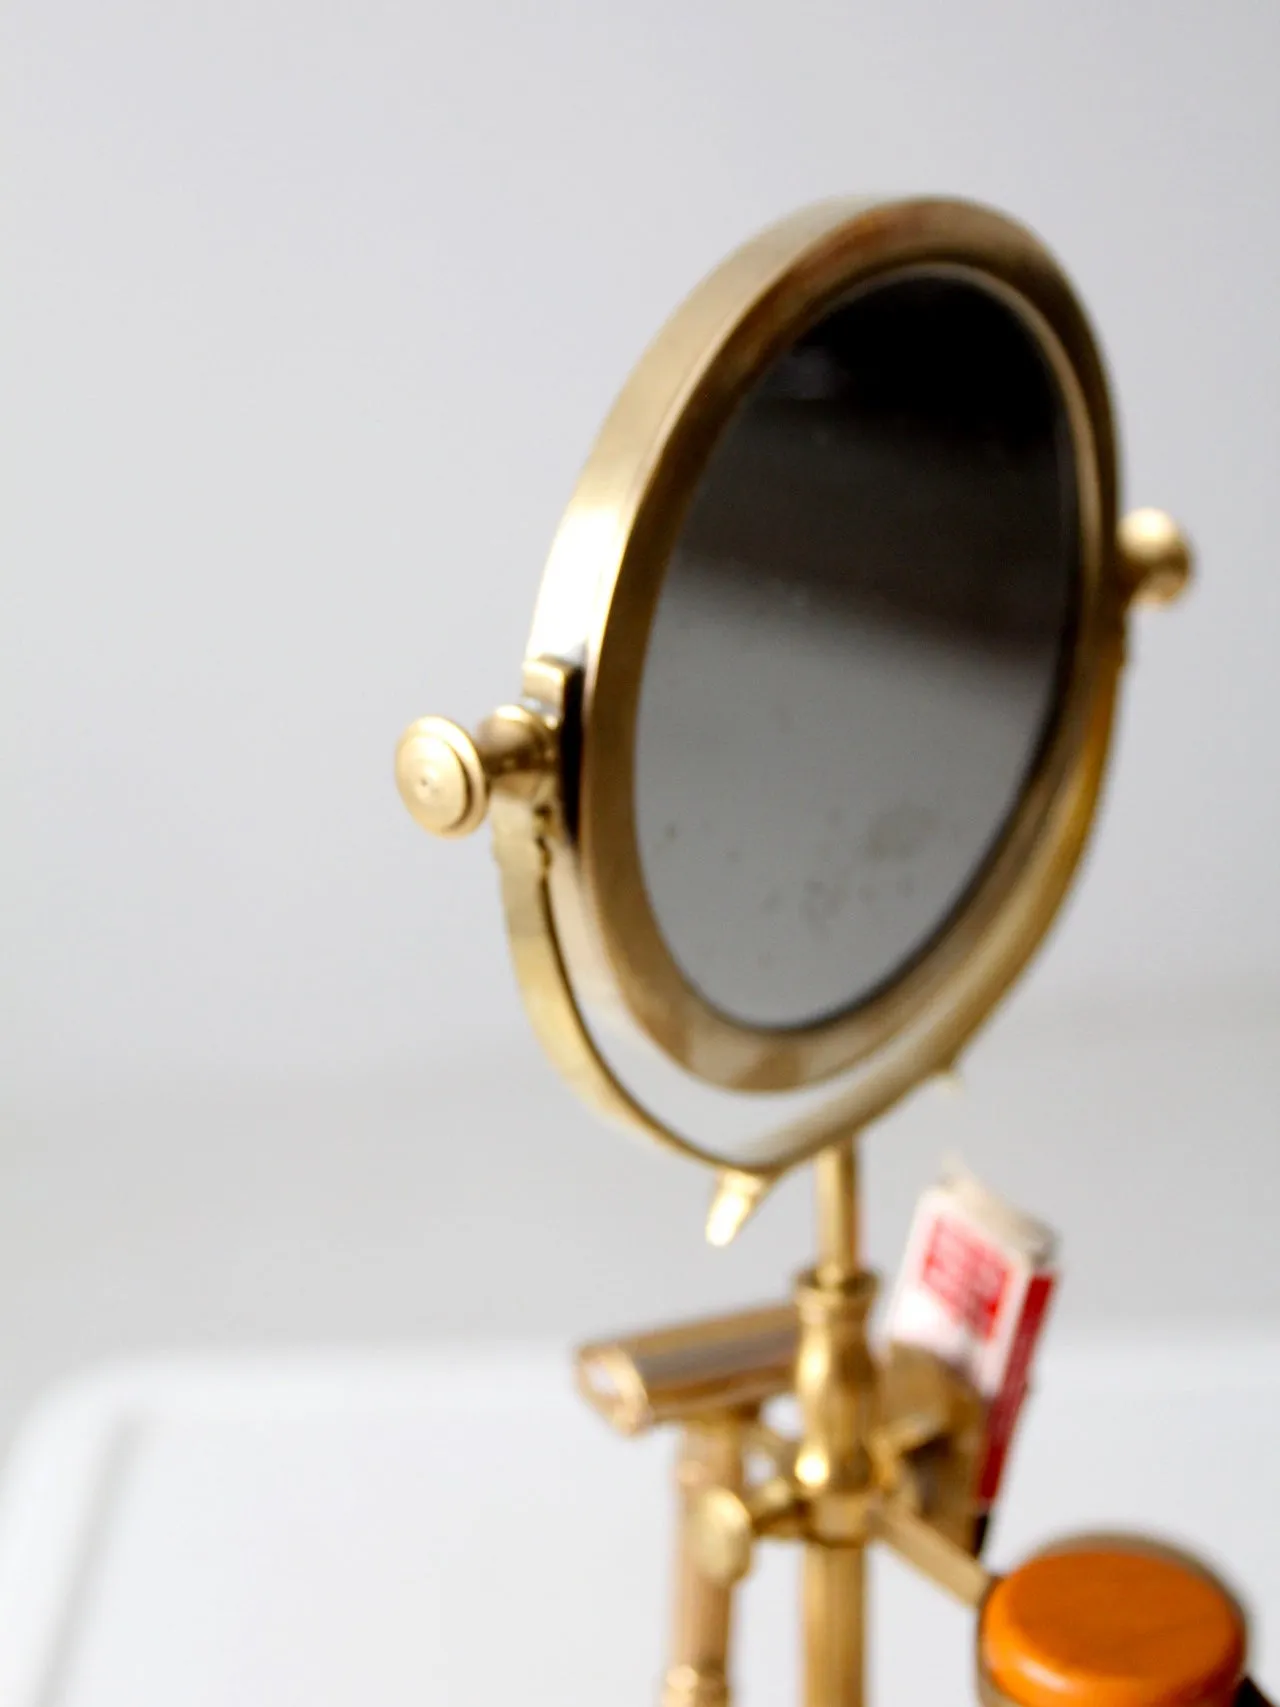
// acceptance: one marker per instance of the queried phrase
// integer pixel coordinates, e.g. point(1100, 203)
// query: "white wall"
point(313, 309)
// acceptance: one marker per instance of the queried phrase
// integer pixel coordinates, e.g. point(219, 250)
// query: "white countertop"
point(349, 1530)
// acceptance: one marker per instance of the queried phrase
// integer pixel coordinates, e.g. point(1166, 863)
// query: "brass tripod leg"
point(835, 1386)
point(710, 1455)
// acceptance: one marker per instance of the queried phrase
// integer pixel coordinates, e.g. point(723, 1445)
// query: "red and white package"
point(974, 1289)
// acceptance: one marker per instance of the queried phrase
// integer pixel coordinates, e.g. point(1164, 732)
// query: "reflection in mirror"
point(856, 653)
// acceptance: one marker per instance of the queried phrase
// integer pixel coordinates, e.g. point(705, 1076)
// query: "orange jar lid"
point(1105, 1627)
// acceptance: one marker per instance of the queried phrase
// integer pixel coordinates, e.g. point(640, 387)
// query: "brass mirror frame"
point(605, 573)
point(556, 770)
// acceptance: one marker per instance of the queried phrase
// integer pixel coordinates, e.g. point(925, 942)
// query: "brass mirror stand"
point(887, 1448)
point(886, 1452)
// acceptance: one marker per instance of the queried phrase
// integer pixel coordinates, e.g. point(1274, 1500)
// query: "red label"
point(1008, 1401)
point(966, 1275)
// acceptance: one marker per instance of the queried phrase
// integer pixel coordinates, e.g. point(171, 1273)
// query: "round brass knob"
point(441, 777)
point(724, 1525)
point(721, 1533)
point(1157, 556)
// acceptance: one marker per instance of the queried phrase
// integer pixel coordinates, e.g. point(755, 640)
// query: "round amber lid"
point(1101, 1626)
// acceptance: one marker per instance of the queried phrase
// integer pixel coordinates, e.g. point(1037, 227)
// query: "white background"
point(313, 310)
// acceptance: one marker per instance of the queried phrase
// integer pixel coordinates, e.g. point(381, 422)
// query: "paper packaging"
point(974, 1289)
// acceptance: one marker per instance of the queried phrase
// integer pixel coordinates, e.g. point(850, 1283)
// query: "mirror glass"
point(857, 650)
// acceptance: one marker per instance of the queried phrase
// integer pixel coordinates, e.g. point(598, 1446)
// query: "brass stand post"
point(711, 1456)
point(835, 1385)
point(833, 1588)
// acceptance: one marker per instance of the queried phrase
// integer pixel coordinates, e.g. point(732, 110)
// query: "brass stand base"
point(885, 1453)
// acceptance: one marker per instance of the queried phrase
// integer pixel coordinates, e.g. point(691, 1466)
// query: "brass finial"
point(736, 1198)
point(1157, 555)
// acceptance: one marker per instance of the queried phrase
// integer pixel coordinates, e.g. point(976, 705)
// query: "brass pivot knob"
point(1156, 555)
point(724, 1525)
point(445, 776)
point(441, 777)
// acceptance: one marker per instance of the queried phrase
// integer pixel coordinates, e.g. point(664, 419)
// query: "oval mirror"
point(857, 650)
point(820, 684)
